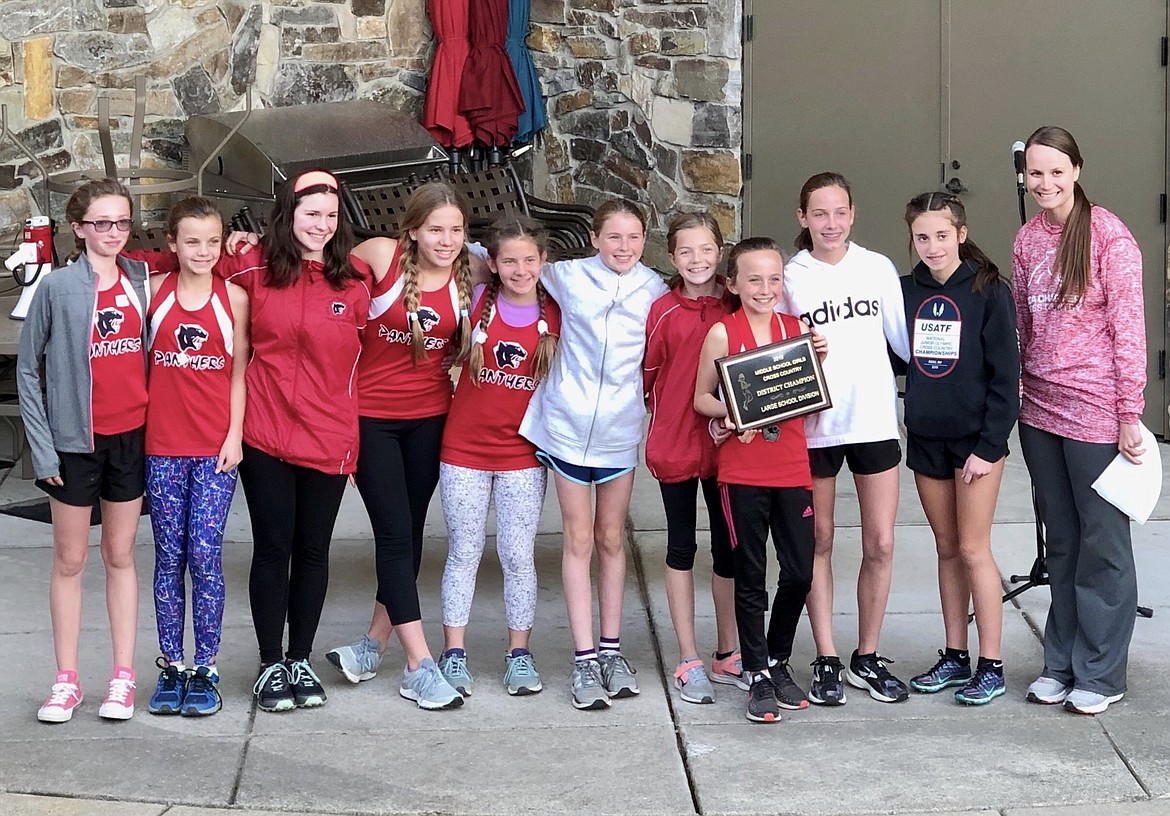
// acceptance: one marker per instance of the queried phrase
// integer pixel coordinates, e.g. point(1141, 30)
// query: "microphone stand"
point(1038, 574)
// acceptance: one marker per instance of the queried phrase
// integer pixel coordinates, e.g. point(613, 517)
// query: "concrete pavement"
point(369, 751)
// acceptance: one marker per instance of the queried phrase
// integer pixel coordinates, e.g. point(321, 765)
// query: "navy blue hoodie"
point(963, 378)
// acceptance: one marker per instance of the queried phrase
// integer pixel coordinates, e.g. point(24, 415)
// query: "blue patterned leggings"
point(189, 504)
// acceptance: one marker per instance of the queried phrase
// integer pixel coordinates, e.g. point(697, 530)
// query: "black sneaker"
point(762, 705)
point(273, 689)
point(827, 689)
point(869, 672)
point(306, 685)
point(946, 672)
point(788, 694)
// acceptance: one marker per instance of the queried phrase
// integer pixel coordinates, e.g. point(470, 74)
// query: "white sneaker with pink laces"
point(119, 704)
point(65, 697)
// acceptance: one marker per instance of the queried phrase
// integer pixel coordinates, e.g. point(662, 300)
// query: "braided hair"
point(510, 228)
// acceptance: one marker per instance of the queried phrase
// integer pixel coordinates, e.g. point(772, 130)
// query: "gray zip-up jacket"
point(589, 410)
point(59, 329)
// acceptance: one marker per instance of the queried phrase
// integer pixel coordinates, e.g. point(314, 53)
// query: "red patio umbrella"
point(489, 95)
point(441, 116)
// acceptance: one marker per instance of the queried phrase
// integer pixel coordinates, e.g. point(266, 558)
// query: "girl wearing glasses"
point(84, 422)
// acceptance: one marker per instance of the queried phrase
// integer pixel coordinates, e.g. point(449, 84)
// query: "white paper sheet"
point(1134, 489)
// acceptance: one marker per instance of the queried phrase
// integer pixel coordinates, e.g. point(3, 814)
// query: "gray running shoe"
point(357, 662)
point(618, 675)
point(588, 690)
point(454, 669)
point(521, 677)
point(427, 687)
point(692, 682)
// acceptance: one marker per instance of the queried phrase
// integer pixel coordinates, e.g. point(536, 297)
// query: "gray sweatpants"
point(1090, 563)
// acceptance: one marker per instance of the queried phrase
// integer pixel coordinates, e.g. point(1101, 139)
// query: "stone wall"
point(57, 56)
point(644, 103)
point(643, 96)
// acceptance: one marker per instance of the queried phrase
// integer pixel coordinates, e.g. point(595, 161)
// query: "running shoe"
point(588, 689)
point(729, 670)
point(788, 694)
point(761, 704)
point(306, 685)
point(692, 682)
point(1089, 702)
point(454, 669)
point(1047, 691)
point(520, 675)
point(202, 698)
point(984, 687)
point(119, 704)
point(427, 687)
point(828, 687)
point(172, 688)
point(273, 689)
point(869, 672)
point(357, 662)
point(65, 696)
point(617, 675)
point(946, 672)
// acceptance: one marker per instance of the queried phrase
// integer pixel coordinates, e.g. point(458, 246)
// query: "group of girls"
point(1077, 303)
point(308, 361)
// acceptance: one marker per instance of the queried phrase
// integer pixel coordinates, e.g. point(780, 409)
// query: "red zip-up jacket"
point(678, 445)
point(302, 394)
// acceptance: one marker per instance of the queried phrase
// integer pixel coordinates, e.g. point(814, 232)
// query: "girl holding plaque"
point(1077, 276)
point(962, 399)
point(765, 485)
point(680, 450)
point(852, 297)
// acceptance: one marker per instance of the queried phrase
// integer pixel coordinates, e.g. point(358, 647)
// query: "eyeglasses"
point(104, 225)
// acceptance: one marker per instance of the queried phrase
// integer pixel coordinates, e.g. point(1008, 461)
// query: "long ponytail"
point(1074, 253)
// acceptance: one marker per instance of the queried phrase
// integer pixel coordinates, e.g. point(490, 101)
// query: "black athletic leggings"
point(293, 510)
point(678, 499)
point(398, 469)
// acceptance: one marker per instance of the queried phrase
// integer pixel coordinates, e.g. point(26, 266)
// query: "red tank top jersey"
point(759, 463)
point(116, 365)
point(483, 427)
point(390, 385)
point(190, 358)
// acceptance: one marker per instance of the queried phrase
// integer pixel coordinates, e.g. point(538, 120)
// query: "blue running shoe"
point(172, 687)
point(984, 687)
point(453, 665)
point(946, 672)
point(202, 698)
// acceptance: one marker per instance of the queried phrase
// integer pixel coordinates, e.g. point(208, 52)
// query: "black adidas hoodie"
point(963, 378)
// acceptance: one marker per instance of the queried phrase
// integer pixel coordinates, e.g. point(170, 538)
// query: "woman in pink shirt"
point(1077, 283)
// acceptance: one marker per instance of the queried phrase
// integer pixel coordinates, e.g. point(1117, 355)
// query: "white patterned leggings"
point(466, 495)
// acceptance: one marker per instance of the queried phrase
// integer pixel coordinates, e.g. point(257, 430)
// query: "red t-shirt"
point(760, 463)
point(190, 358)
point(390, 385)
point(116, 365)
point(483, 427)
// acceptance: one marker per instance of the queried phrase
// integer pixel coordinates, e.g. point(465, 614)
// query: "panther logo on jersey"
point(190, 337)
point(509, 354)
point(428, 318)
point(109, 321)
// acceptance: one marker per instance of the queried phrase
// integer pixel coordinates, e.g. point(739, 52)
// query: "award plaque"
point(765, 386)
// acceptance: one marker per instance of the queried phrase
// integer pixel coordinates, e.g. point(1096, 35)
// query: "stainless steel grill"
point(361, 142)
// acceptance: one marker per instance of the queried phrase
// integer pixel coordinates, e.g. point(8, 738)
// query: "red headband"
point(314, 178)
